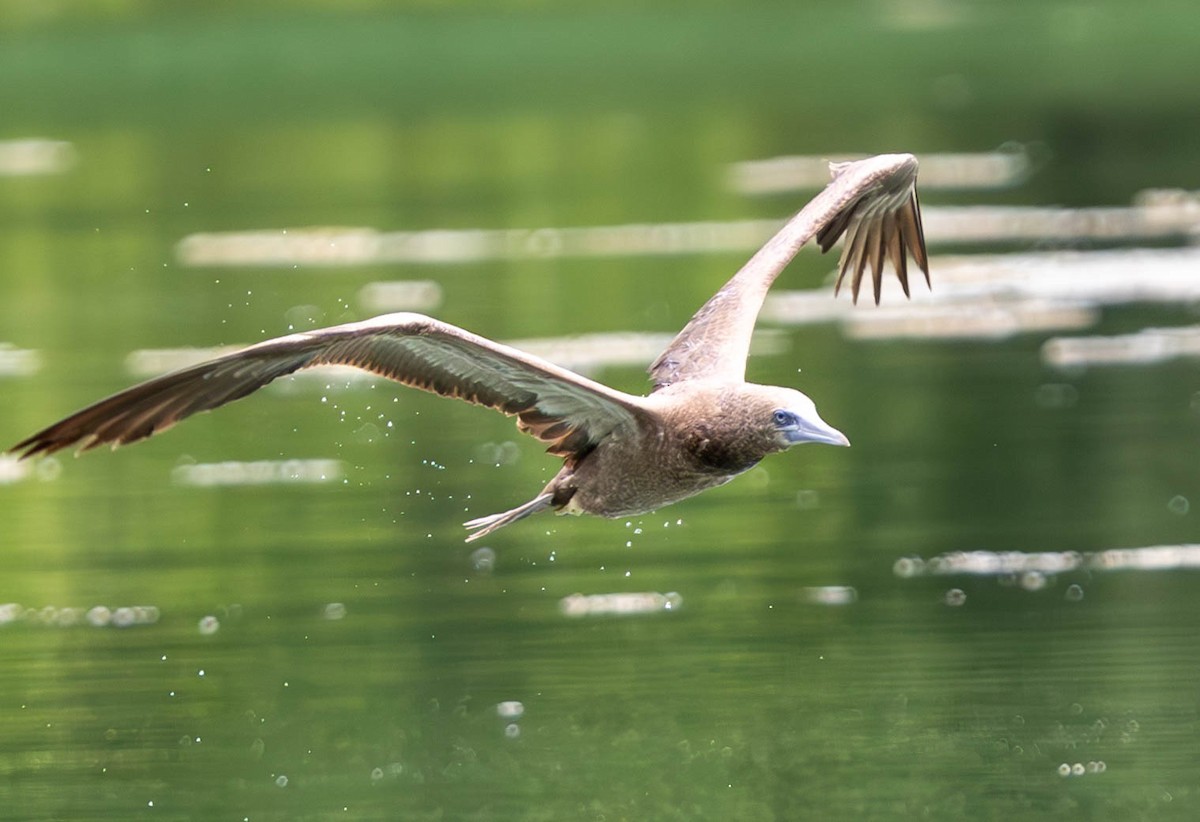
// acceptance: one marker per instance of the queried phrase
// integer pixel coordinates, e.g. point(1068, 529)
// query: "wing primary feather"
point(909, 219)
point(855, 255)
point(875, 247)
point(829, 235)
point(895, 250)
point(845, 262)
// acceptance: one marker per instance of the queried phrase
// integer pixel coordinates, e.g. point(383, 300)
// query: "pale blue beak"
point(811, 428)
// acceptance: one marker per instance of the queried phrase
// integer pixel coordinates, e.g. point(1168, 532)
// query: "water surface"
point(269, 613)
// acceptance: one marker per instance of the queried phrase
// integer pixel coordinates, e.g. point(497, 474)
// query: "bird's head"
point(731, 426)
point(792, 418)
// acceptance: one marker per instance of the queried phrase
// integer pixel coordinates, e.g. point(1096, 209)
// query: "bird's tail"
point(483, 526)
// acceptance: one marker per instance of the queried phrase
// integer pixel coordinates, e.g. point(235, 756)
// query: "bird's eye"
point(784, 418)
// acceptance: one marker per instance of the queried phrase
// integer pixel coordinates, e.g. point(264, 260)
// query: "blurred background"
point(984, 609)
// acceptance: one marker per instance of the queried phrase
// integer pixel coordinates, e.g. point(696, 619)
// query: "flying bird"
point(700, 426)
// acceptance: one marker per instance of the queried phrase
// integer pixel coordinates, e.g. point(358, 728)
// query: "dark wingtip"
point(920, 254)
point(902, 273)
point(28, 447)
point(40, 445)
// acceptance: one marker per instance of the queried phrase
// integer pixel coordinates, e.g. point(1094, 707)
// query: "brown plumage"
point(623, 454)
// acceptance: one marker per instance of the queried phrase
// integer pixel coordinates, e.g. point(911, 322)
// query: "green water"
point(333, 650)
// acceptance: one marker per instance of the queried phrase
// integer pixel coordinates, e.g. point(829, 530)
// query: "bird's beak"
point(814, 429)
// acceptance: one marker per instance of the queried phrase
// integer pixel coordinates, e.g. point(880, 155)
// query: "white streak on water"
point(983, 170)
point(21, 158)
point(619, 604)
point(1015, 563)
point(1150, 345)
point(262, 472)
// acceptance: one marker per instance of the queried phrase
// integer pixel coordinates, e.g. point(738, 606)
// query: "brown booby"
point(701, 425)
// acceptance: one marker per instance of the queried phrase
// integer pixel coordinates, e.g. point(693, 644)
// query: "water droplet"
point(954, 597)
point(99, 616)
point(511, 709)
point(483, 560)
point(807, 499)
point(908, 567)
point(1056, 395)
point(1033, 581)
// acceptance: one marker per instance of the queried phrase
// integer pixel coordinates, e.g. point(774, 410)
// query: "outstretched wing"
point(873, 202)
point(568, 412)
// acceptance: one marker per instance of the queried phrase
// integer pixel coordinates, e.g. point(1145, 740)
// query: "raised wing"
point(568, 412)
point(873, 202)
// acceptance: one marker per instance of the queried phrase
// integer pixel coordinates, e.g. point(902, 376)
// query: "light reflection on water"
point(20, 158)
point(998, 169)
point(340, 247)
point(17, 362)
point(1000, 295)
point(1010, 563)
point(262, 472)
point(1150, 345)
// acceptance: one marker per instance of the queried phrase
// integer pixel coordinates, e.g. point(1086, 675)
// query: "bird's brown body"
point(697, 435)
point(702, 425)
